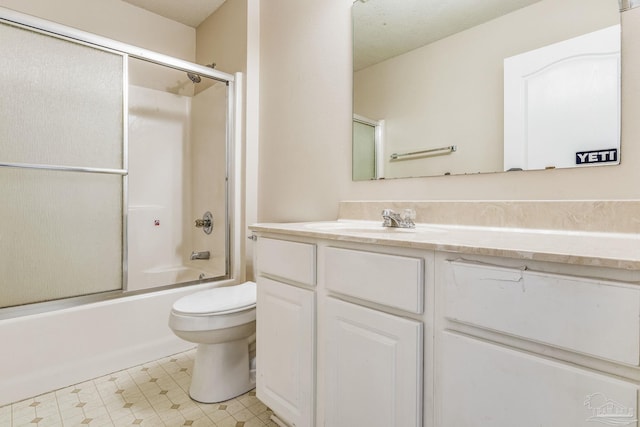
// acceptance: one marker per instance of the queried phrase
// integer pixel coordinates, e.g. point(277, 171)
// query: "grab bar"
point(449, 149)
point(64, 168)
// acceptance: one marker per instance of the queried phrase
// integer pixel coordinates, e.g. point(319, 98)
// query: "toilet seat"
point(217, 301)
point(217, 308)
point(189, 323)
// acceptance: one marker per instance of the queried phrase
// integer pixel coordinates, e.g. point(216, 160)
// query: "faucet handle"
point(203, 223)
point(408, 217)
point(206, 222)
point(409, 214)
point(387, 215)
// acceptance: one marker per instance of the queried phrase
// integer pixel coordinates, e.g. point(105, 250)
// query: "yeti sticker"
point(597, 156)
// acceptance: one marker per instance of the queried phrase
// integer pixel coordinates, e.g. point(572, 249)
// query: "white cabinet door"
point(285, 349)
point(373, 368)
point(485, 385)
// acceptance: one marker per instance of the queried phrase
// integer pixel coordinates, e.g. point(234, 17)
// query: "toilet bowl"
point(222, 321)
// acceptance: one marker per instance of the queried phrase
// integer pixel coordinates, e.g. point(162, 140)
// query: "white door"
point(485, 385)
point(285, 349)
point(561, 100)
point(373, 368)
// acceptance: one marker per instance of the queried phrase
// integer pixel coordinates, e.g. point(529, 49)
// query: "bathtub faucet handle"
point(206, 222)
point(203, 223)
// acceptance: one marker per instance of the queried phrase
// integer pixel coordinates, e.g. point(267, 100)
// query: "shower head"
point(196, 78)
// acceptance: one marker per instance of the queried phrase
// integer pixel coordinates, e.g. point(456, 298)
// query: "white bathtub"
point(52, 350)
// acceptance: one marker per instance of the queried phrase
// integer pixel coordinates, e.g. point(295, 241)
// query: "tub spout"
point(200, 255)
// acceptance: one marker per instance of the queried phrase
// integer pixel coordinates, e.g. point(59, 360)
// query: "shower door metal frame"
point(42, 26)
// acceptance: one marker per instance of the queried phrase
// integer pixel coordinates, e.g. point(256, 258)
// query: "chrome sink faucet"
point(393, 219)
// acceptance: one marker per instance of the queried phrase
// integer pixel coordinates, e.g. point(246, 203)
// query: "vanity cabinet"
point(358, 333)
point(532, 348)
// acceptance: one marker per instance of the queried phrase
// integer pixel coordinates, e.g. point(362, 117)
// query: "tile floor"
point(154, 394)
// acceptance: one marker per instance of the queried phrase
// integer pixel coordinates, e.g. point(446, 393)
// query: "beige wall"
point(305, 109)
point(222, 38)
point(306, 129)
point(117, 20)
point(413, 92)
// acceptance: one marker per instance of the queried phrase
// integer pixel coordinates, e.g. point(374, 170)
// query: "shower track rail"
point(41, 25)
point(63, 168)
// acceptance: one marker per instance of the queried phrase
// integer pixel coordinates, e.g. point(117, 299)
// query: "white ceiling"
point(387, 28)
point(383, 28)
point(188, 12)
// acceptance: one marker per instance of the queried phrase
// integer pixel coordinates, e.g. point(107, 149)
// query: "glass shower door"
point(62, 167)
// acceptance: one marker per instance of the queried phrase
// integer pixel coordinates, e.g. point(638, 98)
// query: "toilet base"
point(221, 372)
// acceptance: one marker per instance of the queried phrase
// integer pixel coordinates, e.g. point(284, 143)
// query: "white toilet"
point(222, 321)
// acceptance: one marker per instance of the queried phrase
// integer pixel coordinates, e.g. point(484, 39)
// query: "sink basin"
point(365, 227)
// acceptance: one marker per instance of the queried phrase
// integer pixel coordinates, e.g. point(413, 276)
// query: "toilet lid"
point(227, 299)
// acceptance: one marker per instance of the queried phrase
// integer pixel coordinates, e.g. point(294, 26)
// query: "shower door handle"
point(206, 222)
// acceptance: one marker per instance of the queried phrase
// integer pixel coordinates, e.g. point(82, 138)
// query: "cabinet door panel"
point(484, 385)
point(285, 349)
point(373, 368)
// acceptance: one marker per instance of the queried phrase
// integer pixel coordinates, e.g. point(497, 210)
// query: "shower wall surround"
point(177, 172)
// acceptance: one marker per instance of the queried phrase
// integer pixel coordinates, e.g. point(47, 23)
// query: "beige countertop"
point(613, 250)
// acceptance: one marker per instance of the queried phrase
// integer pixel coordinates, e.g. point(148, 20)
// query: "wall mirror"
point(444, 88)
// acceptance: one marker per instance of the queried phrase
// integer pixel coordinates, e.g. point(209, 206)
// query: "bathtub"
point(59, 348)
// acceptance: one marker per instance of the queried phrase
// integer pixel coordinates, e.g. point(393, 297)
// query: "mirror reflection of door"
point(367, 141)
point(561, 100)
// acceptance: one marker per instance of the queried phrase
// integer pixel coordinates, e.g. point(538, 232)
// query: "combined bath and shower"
point(196, 78)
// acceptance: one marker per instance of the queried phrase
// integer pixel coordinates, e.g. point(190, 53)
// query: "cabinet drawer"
point(589, 316)
point(291, 261)
point(391, 280)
